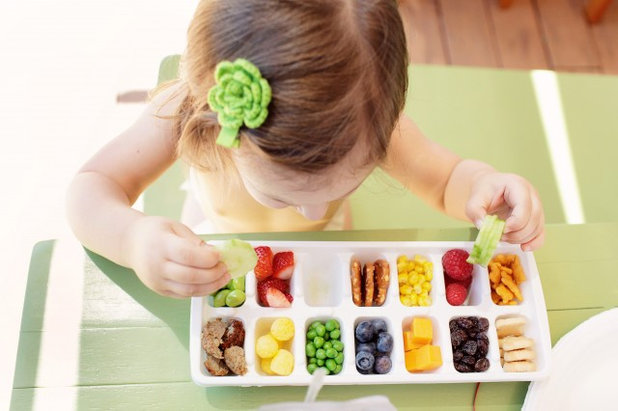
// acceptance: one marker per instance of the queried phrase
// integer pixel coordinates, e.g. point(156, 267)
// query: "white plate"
point(584, 368)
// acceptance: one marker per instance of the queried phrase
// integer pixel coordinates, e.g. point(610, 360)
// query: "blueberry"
point(384, 342)
point(364, 362)
point(379, 325)
point(367, 347)
point(364, 331)
point(382, 364)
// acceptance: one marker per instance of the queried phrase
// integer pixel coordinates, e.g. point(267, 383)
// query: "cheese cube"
point(428, 357)
point(422, 331)
point(408, 341)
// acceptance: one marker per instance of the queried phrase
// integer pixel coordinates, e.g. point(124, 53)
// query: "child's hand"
point(514, 200)
point(171, 260)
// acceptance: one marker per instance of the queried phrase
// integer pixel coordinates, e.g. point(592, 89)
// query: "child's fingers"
point(518, 197)
point(184, 252)
point(534, 225)
point(535, 243)
point(192, 275)
point(194, 290)
point(477, 206)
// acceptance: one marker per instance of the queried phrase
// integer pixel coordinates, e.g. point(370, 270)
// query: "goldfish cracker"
point(504, 293)
point(510, 283)
point(427, 357)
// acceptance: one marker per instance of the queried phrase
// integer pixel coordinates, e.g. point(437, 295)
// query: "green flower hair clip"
point(241, 96)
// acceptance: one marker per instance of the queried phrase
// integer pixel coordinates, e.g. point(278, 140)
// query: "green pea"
point(339, 358)
point(330, 364)
point(320, 362)
point(338, 345)
point(318, 342)
point(320, 330)
point(335, 334)
point(327, 345)
point(237, 283)
point(311, 334)
point(315, 324)
point(310, 350)
point(320, 354)
point(311, 368)
point(219, 300)
point(331, 353)
point(313, 360)
point(235, 298)
point(331, 325)
point(338, 369)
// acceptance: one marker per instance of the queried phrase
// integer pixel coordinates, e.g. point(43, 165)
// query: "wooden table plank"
point(422, 23)
point(468, 33)
point(563, 23)
point(518, 35)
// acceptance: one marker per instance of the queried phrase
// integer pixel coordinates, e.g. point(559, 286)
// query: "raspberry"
point(455, 265)
point(456, 294)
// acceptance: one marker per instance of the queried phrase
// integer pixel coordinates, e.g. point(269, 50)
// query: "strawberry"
point(275, 298)
point(456, 294)
point(455, 265)
point(283, 265)
point(272, 283)
point(264, 266)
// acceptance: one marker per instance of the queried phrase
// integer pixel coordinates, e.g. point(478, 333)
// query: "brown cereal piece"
point(216, 366)
point(368, 274)
point(235, 360)
point(355, 278)
point(382, 280)
point(234, 335)
point(510, 283)
point(504, 293)
point(212, 335)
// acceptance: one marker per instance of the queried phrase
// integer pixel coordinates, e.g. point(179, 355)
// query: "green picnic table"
point(114, 344)
point(93, 337)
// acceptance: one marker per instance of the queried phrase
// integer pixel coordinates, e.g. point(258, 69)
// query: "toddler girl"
point(283, 108)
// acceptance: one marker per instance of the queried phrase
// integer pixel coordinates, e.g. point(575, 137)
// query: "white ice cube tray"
point(321, 289)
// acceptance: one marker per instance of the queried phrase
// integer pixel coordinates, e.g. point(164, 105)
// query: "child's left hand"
point(513, 199)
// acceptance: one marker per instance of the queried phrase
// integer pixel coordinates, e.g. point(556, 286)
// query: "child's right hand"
point(171, 260)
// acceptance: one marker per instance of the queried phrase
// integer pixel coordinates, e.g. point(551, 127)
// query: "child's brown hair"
point(337, 69)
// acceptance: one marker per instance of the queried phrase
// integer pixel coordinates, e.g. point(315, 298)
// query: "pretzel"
point(355, 277)
point(382, 279)
point(368, 271)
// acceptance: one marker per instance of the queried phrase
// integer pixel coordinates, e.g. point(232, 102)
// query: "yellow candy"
point(282, 363)
point(282, 329)
point(265, 364)
point(405, 289)
point(266, 346)
point(402, 278)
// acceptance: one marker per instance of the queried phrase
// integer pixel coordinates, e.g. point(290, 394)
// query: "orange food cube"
point(428, 357)
point(408, 341)
point(422, 331)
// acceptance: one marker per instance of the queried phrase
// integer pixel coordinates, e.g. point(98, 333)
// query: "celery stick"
point(486, 241)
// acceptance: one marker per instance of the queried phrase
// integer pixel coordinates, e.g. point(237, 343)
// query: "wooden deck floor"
point(530, 34)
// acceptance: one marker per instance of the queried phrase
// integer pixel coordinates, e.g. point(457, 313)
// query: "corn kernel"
point(402, 278)
point(413, 299)
point(418, 268)
point(402, 259)
point(418, 289)
point(429, 275)
point(401, 267)
point(405, 289)
point(421, 279)
point(427, 266)
point(422, 301)
point(428, 301)
point(413, 278)
point(424, 293)
point(410, 266)
point(426, 286)
point(406, 300)
point(419, 259)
